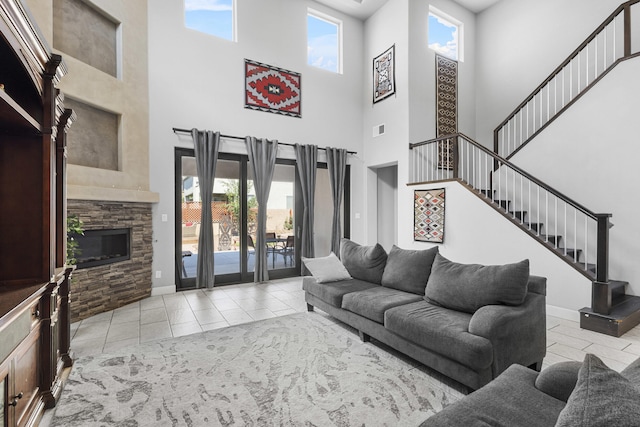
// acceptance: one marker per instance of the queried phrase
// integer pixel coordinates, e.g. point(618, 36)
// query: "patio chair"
point(288, 250)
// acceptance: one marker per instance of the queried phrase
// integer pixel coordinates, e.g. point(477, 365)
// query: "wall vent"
point(378, 130)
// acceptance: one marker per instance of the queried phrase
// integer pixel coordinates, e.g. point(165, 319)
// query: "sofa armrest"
point(517, 333)
point(559, 380)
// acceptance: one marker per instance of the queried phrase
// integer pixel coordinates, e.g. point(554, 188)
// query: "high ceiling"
point(362, 9)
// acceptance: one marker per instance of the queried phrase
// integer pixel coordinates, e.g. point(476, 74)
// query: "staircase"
point(575, 234)
point(605, 48)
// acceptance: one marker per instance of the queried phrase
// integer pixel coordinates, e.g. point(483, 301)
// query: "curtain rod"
point(187, 131)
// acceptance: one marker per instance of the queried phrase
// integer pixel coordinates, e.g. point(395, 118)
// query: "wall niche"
point(87, 34)
point(93, 139)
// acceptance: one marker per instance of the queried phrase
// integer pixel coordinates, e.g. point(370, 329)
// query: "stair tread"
point(628, 306)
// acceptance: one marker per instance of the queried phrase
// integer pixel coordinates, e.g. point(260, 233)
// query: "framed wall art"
point(271, 89)
point(428, 215)
point(384, 74)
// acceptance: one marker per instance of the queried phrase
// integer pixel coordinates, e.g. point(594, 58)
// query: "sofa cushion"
point(408, 270)
point(510, 400)
point(332, 292)
point(440, 330)
point(602, 397)
point(363, 262)
point(326, 269)
point(559, 380)
point(467, 287)
point(373, 302)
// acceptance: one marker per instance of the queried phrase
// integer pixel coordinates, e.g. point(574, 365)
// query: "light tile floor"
point(195, 311)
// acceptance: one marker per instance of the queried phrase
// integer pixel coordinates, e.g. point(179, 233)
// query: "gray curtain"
point(307, 160)
point(337, 165)
point(206, 145)
point(262, 160)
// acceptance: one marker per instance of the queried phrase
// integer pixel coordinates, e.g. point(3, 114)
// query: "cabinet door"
point(25, 377)
point(3, 398)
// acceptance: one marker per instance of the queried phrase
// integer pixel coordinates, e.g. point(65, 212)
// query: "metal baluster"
point(555, 216)
point(586, 239)
point(579, 73)
point(570, 80)
point(575, 233)
point(596, 55)
point(529, 204)
point(546, 212)
point(538, 209)
point(565, 226)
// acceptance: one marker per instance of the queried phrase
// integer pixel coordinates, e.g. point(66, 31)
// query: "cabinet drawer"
point(25, 377)
point(14, 333)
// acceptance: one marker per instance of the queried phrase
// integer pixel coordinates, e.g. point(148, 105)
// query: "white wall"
point(591, 154)
point(410, 115)
point(519, 43)
point(387, 27)
point(196, 80)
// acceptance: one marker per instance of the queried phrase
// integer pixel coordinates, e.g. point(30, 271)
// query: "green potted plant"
point(75, 228)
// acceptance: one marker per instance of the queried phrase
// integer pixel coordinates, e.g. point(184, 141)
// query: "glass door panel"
point(281, 219)
point(226, 215)
point(279, 238)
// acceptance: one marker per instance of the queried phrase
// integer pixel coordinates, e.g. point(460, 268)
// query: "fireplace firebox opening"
point(100, 247)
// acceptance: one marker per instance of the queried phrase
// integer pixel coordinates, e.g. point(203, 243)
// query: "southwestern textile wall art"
point(428, 215)
point(446, 107)
point(384, 75)
point(271, 89)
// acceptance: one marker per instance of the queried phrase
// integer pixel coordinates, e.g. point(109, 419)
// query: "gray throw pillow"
point(408, 270)
point(467, 287)
point(363, 262)
point(326, 269)
point(602, 398)
point(632, 373)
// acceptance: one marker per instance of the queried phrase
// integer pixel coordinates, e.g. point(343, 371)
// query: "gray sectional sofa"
point(470, 322)
point(566, 394)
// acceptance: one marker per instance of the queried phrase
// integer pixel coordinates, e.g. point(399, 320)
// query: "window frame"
point(340, 43)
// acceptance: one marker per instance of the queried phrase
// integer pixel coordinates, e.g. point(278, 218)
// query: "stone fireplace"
point(102, 287)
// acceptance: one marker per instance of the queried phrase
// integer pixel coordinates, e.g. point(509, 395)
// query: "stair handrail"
point(518, 169)
point(602, 219)
point(624, 7)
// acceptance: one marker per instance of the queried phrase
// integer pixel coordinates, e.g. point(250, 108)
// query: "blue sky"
point(213, 17)
point(443, 37)
point(322, 44)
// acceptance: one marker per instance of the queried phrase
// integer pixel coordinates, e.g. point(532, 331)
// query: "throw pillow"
point(467, 287)
point(363, 262)
point(326, 269)
point(408, 270)
point(602, 398)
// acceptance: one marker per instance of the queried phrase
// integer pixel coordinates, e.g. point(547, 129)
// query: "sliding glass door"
point(234, 210)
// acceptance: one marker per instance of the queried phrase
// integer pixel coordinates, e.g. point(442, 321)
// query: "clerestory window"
point(214, 17)
point(445, 34)
point(324, 41)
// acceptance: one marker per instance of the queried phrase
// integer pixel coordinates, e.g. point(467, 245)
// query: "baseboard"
point(563, 313)
point(163, 290)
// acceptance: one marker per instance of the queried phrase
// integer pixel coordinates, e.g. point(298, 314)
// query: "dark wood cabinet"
point(34, 280)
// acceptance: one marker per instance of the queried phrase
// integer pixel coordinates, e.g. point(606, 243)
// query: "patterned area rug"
point(299, 370)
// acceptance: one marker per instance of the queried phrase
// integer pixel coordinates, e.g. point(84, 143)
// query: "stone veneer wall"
point(107, 287)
